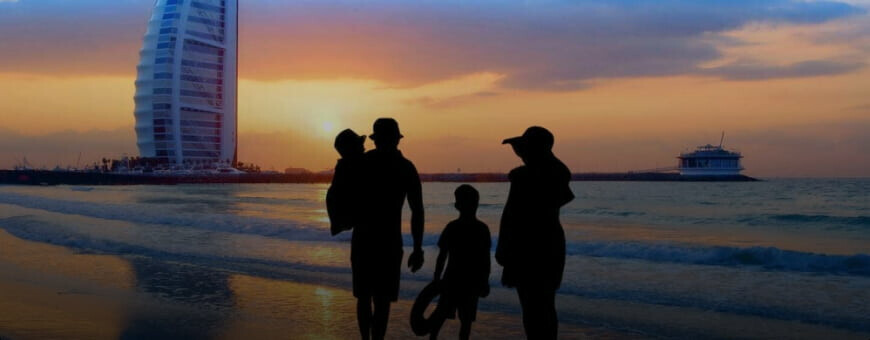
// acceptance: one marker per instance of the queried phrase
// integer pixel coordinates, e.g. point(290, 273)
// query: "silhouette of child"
point(466, 243)
point(342, 203)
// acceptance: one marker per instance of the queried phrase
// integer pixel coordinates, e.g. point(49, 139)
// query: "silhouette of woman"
point(531, 244)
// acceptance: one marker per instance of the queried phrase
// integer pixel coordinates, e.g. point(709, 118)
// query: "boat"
point(710, 160)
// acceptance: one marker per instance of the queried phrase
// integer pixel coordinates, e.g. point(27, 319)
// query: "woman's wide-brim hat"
point(535, 137)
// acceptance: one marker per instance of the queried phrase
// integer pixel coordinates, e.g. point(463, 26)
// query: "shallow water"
point(779, 258)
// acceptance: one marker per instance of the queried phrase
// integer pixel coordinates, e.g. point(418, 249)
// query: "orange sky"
point(624, 89)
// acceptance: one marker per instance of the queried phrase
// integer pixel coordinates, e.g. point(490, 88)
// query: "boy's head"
point(467, 199)
point(349, 144)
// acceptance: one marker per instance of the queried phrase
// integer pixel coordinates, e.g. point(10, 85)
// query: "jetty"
point(49, 177)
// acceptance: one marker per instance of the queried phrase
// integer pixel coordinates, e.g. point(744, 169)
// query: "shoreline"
point(46, 177)
point(54, 295)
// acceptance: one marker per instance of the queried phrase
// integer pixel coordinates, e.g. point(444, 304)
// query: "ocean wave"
point(149, 214)
point(292, 230)
point(35, 229)
point(804, 219)
point(200, 199)
point(608, 212)
point(800, 218)
point(770, 258)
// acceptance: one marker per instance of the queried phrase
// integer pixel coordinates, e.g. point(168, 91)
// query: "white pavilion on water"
point(186, 108)
point(710, 160)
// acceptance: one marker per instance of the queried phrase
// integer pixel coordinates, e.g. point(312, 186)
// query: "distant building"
point(186, 109)
point(709, 160)
point(297, 171)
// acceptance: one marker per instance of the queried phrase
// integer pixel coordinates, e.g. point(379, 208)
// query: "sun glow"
point(327, 128)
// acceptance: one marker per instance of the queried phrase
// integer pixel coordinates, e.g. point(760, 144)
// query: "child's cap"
point(466, 193)
point(348, 137)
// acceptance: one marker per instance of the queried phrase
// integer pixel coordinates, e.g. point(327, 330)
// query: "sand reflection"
point(49, 292)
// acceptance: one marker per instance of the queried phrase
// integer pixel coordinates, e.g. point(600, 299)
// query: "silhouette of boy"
point(466, 243)
point(343, 195)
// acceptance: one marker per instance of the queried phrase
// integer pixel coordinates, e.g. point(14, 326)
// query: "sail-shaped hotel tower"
point(186, 109)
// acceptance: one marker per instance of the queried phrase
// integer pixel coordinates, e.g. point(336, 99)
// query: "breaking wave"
point(770, 258)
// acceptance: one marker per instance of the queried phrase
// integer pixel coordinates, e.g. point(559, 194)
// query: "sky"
point(623, 84)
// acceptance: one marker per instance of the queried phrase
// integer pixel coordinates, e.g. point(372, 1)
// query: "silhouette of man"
point(376, 246)
point(531, 244)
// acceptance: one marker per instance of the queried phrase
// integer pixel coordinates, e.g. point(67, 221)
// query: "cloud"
point(545, 45)
point(858, 108)
point(757, 71)
point(451, 101)
point(854, 33)
point(83, 37)
point(63, 148)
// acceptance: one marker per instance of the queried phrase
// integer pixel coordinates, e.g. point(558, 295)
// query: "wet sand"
point(51, 292)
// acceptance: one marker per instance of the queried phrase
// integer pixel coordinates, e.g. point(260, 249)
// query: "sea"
point(778, 258)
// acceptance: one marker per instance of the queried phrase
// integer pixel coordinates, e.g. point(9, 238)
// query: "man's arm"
point(415, 201)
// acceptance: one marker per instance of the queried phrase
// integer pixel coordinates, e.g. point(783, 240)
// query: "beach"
point(772, 259)
point(50, 292)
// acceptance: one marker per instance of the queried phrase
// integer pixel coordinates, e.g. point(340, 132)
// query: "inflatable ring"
point(420, 324)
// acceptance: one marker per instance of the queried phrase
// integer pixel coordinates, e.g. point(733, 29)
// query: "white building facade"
point(709, 160)
point(186, 87)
